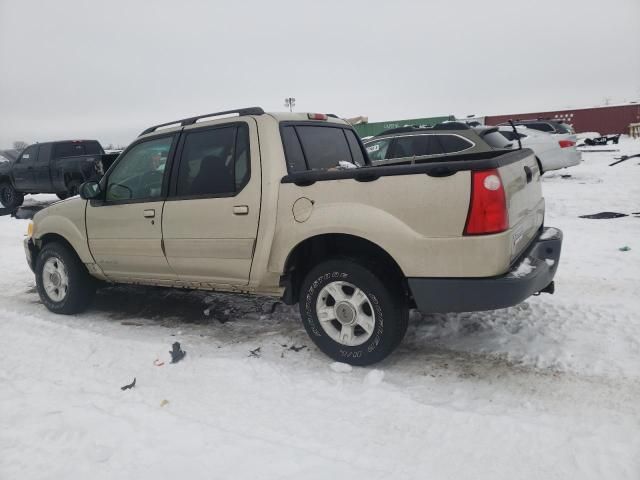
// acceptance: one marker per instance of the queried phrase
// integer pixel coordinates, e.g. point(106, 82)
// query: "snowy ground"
point(548, 389)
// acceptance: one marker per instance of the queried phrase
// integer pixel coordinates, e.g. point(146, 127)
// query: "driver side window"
point(140, 172)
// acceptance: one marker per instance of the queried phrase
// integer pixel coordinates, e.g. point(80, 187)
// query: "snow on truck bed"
point(546, 389)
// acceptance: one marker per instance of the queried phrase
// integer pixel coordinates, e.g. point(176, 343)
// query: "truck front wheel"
point(63, 283)
point(9, 197)
point(350, 313)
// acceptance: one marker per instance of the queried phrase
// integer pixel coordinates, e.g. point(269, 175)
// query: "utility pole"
point(290, 102)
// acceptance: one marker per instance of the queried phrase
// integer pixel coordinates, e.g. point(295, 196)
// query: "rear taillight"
point(488, 204)
point(566, 143)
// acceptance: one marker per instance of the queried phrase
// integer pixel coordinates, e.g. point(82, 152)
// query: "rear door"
point(42, 170)
point(23, 169)
point(125, 229)
point(210, 220)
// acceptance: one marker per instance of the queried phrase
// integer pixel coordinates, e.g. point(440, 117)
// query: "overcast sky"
point(108, 69)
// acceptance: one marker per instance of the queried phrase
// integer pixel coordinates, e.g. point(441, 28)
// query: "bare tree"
point(20, 145)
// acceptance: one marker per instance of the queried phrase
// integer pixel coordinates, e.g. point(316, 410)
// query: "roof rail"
point(191, 120)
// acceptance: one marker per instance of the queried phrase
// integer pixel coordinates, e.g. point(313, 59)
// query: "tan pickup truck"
point(288, 205)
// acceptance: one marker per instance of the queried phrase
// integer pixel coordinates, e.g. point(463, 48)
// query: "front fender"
point(67, 220)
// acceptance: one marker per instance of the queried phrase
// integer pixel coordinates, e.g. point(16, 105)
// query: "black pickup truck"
point(52, 167)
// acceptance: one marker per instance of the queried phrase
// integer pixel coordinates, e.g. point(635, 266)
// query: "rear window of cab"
point(320, 147)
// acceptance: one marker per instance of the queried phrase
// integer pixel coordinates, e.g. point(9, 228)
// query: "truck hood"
point(69, 207)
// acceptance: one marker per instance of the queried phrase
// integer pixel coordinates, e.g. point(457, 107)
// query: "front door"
point(210, 219)
point(23, 169)
point(125, 228)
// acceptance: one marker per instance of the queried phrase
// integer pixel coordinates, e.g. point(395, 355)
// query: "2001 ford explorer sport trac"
point(288, 205)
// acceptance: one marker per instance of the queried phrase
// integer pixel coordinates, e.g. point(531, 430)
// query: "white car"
point(553, 151)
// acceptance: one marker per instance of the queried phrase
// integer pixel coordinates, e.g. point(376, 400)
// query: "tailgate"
point(525, 204)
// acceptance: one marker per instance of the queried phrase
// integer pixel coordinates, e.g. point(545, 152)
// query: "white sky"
point(108, 69)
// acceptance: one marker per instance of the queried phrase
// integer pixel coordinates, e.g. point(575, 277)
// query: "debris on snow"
point(158, 363)
point(297, 349)
point(604, 215)
point(131, 385)
point(340, 367)
point(164, 402)
point(255, 353)
point(624, 249)
point(177, 353)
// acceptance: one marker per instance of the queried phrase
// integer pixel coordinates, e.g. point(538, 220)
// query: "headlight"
point(30, 229)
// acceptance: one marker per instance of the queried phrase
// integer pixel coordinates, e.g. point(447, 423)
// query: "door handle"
point(241, 210)
point(149, 213)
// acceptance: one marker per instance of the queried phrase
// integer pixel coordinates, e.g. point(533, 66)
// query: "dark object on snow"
point(131, 385)
point(623, 158)
point(255, 353)
point(269, 309)
point(624, 249)
point(176, 353)
point(566, 175)
point(604, 140)
point(297, 349)
point(604, 215)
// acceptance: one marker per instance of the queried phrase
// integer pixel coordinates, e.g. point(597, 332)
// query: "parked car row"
point(52, 167)
point(291, 206)
point(413, 144)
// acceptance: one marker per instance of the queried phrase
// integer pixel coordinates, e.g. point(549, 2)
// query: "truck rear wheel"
point(350, 313)
point(63, 283)
point(9, 197)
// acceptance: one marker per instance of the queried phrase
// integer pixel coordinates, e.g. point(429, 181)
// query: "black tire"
point(80, 285)
point(386, 300)
point(72, 190)
point(540, 166)
point(10, 198)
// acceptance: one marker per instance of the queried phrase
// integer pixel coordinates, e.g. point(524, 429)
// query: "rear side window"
point(45, 153)
point(511, 136)
point(323, 147)
point(211, 161)
point(293, 150)
point(542, 126)
point(497, 139)
point(378, 150)
point(416, 145)
point(562, 128)
point(401, 147)
point(68, 149)
point(311, 147)
point(354, 146)
point(453, 143)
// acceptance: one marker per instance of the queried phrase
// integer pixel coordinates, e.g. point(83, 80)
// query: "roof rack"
point(191, 120)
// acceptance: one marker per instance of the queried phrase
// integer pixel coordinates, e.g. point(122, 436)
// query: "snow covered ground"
point(548, 389)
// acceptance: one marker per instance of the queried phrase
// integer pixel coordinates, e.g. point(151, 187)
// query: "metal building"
point(370, 129)
point(606, 120)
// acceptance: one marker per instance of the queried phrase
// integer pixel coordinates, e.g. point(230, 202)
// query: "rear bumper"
point(531, 273)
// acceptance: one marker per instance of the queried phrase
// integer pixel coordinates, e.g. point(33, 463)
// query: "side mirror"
point(90, 190)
